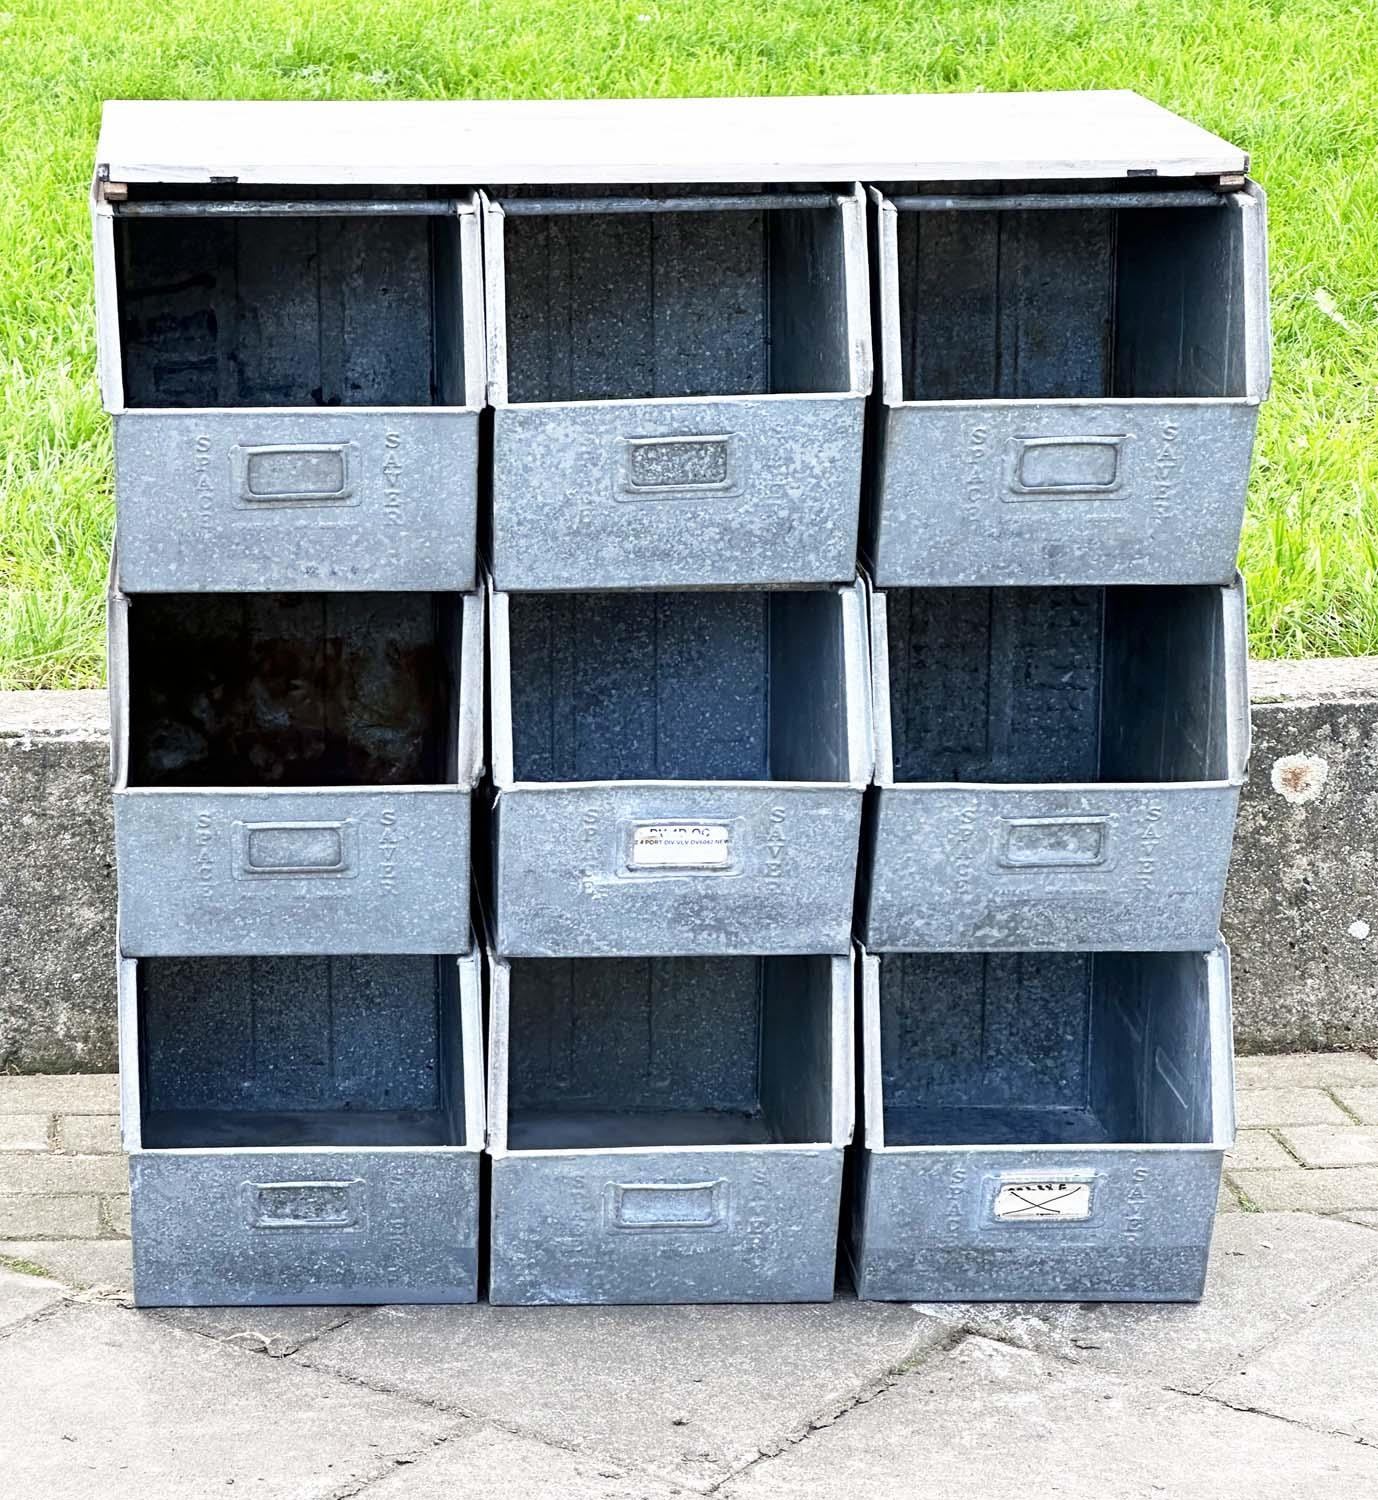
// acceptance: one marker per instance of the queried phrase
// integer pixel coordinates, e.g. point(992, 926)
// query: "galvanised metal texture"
point(293, 772)
point(679, 388)
point(667, 1130)
point(678, 773)
point(296, 386)
point(1041, 1127)
point(1056, 768)
point(1069, 385)
point(303, 1130)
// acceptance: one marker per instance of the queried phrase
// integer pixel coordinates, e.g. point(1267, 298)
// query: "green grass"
point(1295, 81)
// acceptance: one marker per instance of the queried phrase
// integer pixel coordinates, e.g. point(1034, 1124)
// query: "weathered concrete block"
point(65, 1094)
point(1361, 1102)
point(1334, 1145)
point(89, 1135)
point(23, 1132)
point(1265, 1107)
point(57, 884)
point(34, 1172)
point(1301, 911)
point(50, 1216)
point(1304, 1190)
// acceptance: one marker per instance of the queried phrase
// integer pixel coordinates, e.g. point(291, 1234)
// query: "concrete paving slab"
point(482, 1463)
point(1365, 1216)
point(1333, 1145)
point(1287, 1106)
point(58, 1216)
point(1266, 1272)
point(1305, 1190)
point(114, 1212)
point(1226, 1200)
point(1006, 1424)
point(106, 1264)
point(60, 1093)
point(689, 1393)
point(1258, 1150)
point(1323, 1374)
point(1306, 1070)
point(24, 1132)
point(276, 1331)
point(102, 1401)
point(22, 1296)
point(93, 1135)
point(47, 1172)
point(1361, 1102)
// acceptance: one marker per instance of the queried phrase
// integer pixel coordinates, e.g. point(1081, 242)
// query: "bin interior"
point(290, 311)
point(725, 302)
point(1096, 302)
point(604, 1053)
point(1006, 1049)
point(247, 690)
point(713, 686)
point(1046, 685)
point(300, 1052)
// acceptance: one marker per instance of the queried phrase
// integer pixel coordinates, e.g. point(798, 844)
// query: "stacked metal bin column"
point(296, 658)
point(1069, 383)
point(680, 738)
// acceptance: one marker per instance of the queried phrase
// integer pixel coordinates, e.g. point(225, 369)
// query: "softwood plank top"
point(879, 138)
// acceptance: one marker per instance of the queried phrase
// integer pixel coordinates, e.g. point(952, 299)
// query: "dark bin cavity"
point(609, 1053)
point(1057, 685)
point(1048, 304)
point(300, 310)
point(300, 1052)
point(737, 686)
point(714, 302)
point(292, 690)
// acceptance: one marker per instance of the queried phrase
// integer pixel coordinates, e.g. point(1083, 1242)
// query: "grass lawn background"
point(1295, 82)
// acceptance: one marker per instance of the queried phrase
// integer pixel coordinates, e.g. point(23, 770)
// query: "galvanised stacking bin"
point(679, 386)
point(1069, 384)
point(303, 1130)
point(296, 383)
point(678, 773)
point(668, 1130)
point(1055, 767)
point(293, 772)
point(1041, 1126)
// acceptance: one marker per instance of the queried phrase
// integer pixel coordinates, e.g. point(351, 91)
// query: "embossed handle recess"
point(266, 849)
point(294, 474)
point(303, 1205)
point(1069, 468)
point(667, 1205)
point(663, 467)
point(1054, 843)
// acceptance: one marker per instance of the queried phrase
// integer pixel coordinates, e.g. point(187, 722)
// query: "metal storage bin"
point(679, 385)
point(678, 773)
point(1041, 1126)
point(1069, 385)
point(303, 1130)
point(1057, 768)
point(296, 385)
point(668, 1130)
point(293, 772)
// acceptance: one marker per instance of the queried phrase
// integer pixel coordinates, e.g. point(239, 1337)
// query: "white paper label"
point(1043, 1200)
point(686, 846)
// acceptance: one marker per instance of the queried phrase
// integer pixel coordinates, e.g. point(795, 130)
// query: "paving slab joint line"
point(1339, 1104)
point(42, 1315)
point(353, 1488)
point(1262, 1411)
point(237, 1340)
point(1276, 1132)
point(835, 1411)
point(1286, 1330)
point(1246, 1203)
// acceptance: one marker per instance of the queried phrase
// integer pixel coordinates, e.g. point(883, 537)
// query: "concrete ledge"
point(1301, 914)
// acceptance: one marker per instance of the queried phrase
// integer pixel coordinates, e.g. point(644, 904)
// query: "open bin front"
point(293, 772)
point(1056, 768)
point(1041, 1126)
point(679, 385)
point(296, 385)
point(678, 773)
point(668, 1130)
point(303, 1130)
point(1070, 385)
